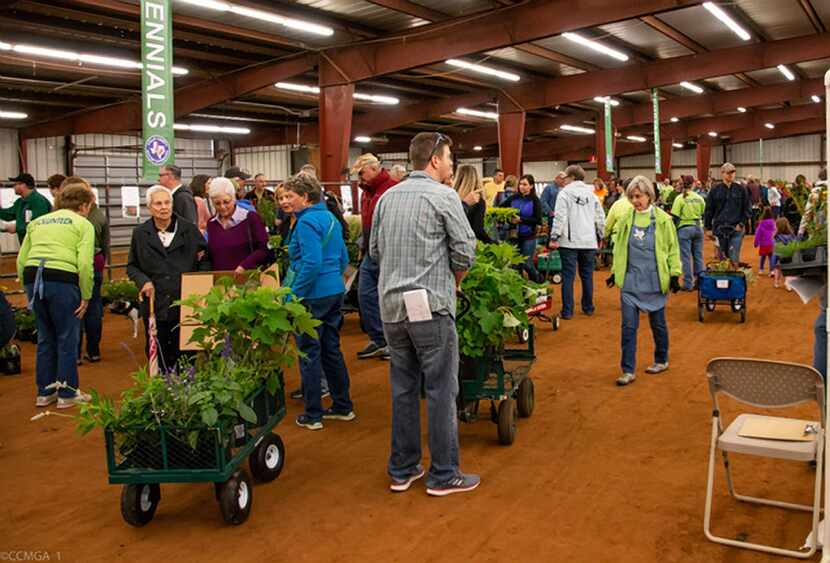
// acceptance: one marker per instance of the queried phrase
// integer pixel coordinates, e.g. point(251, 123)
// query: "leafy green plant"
point(26, 324)
point(728, 267)
point(267, 210)
point(499, 298)
point(353, 242)
point(119, 290)
point(499, 216)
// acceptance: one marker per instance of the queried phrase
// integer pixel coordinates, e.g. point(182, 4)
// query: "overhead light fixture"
point(741, 109)
point(769, 125)
point(786, 72)
point(80, 58)
point(677, 145)
point(481, 69)
point(816, 99)
point(476, 113)
point(13, 115)
point(693, 87)
point(674, 120)
point(577, 129)
point(315, 90)
point(598, 47)
point(205, 128)
point(713, 134)
point(362, 139)
point(477, 148)
point(716, 11)
point(606, 100)
point(636, 138)
point(262, 15)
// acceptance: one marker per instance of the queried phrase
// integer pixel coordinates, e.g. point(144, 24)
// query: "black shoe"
point(331, 414)
point(588, 313)
point(297, 394)
point(565, 317)
point(370, 351)
point(92, 359)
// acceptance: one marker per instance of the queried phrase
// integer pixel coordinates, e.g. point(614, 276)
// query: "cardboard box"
point(199, 283)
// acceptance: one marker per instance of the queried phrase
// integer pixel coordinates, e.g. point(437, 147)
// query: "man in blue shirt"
point(727, 209)
point(550, 193)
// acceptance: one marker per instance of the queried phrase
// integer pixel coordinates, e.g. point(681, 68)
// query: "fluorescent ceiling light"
point(477, 148)
point(636, 138)
point(483, 70)
point(769, 125)
point(262, 15)
point(577, 129)
point(677, 145)
point(12, 115)
point(476, 113)
point(713, 134)
point(362, 139)
point(81, 58)
point(206, 128)
point(693, 87)
point(674, 120)
point(606, 99)
point(305, 89)
point(741, 109)
point(716, 11)
point(598, 47)
point(786, 72)
point(816, 99)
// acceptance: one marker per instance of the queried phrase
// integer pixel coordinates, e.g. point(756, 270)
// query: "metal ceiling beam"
point(562, 90)
point(465, 35)
point(410, 9)
point(812, 15)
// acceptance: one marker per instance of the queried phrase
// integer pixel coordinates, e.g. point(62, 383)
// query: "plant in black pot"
point(26, 324)
point(120, 295)
point(10, 359)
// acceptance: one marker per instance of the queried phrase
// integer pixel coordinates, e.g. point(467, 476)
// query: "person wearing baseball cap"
point(727, 209)
point(238, 177)
point(30, 205)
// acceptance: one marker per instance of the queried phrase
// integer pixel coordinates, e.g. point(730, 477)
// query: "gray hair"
point(174, 170)
point(399, 168)
point(148, 197)
point(309, 169)
point(305, 184)
point(222, 186)
point(644, 186)
point(575, 171)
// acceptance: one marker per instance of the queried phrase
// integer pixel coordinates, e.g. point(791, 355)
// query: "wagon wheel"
point(710, 306)
point(556, 278)
point(236, 497)
point(555, 322)
point(267, 459)
point(700, 312)
point(743, 314)
point(523, 334)
point(526, 398)
point(507, 421)
point(139, 503)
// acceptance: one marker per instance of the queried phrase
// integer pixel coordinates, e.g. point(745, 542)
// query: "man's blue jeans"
point(527, 248)
point(369, 301)
point(630, 325)
point(428, 350)
point(690, 238)
point(92, 323)
point(583, 259)
point(730, 245)
point(57, 336)
point(323, 355)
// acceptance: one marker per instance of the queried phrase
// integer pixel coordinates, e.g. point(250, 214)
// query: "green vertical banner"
point(156, 86)
point(609, 139)
point(655, 106)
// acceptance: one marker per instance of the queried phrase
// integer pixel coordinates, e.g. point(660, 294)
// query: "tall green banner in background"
point(609, 138)
point(156, 86)
point(655, 103)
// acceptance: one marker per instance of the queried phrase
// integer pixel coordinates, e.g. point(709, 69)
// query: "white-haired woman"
point(236, 236)
point(646, 267)
point(471, 191)
point(161, 250)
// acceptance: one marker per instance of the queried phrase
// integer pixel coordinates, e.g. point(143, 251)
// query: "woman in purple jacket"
point(237, 239)
point(765, 239)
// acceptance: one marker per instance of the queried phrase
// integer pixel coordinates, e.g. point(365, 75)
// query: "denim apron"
point(641, 288)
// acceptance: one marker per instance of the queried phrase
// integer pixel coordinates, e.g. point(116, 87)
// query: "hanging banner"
point(609, 139)
point(655, 104)
point(156, 86)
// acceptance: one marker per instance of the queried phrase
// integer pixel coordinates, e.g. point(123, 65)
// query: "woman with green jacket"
point(646, 266)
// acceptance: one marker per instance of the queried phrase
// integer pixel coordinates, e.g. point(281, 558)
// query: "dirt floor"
point(598, 474)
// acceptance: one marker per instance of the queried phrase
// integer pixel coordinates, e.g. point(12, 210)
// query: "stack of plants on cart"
point(729, 268)
point(120, 296)
point(808, 255)
point(24, 320)
point(353, 240)
point(498, 219)
point(197, 407)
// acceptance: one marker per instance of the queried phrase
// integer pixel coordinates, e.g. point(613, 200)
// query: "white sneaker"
point(46, 400)
point(625, 379)
point(70, 402)
point(657, 368)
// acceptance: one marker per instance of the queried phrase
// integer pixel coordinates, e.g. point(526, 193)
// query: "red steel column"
point(666, 150)
point(511, 137)
point(704, 158)
point(336, 103)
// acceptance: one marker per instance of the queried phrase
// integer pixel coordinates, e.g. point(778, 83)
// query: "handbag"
point(291, 274)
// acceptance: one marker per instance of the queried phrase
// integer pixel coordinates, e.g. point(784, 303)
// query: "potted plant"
point(26, 324)
point(500, 218)
point(121, 296)
point(10, 359)
point(808, 255)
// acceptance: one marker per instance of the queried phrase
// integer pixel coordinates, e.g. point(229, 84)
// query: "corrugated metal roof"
point(767, 76)
point(537, 63)
point(697, 23)
point(779, 20)
point(823, 10)
point(815, 69)
point(646, 39)
point(729, 82)
point(366, 13)
point(571, 49)
point(457, 7)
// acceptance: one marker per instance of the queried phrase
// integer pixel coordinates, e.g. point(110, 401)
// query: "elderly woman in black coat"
point(161, 250)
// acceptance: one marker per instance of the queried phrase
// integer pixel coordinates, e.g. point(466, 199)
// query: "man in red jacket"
point(374, 181)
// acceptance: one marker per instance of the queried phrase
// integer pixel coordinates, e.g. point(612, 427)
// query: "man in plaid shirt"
point(422, 240)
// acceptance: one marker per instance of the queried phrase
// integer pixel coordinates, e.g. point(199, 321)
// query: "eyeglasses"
point(439, 138)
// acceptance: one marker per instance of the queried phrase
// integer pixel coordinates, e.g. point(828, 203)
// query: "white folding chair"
point(766, 384)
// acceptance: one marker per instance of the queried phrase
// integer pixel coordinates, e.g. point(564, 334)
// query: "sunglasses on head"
point(439, 138)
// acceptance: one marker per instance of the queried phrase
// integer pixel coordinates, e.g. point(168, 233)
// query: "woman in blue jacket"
point(527, 223)
point(318, 259)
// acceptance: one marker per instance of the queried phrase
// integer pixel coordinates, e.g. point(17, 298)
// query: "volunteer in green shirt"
point(688, 208)
point(646, 266)
point(55, 264)
point(30, 205)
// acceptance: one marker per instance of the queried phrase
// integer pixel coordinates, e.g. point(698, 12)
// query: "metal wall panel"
point(117, 144)
point(9, 163)
point(273, 161)
point(45, 156)
point(805, 148)
point(544, 171)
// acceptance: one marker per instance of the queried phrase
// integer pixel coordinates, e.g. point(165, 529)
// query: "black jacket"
point(475, 215)
point(727, 206)
point(184, 205)
point(150, 261)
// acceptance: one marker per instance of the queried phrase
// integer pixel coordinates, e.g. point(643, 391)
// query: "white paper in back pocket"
point(417, 305)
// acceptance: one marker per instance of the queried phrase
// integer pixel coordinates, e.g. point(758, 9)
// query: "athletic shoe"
point(92, 359)
point(331, 414)
point(657, 368)
point(297, 394)
point(46, 400)
point(401, 485)
point(306, 422)
point(459, 484)
point(69, 402)
point(625, 379)
point(370, 351)
point(324, 393)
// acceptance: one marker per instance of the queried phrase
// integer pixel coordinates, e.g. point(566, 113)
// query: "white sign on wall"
point(130, 202)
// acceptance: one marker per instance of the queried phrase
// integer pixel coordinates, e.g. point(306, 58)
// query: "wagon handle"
point(465, 304)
